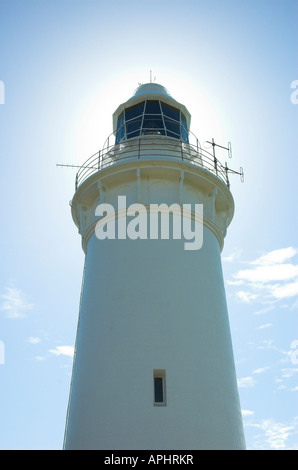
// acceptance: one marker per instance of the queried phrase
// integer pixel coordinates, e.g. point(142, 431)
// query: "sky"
point(65, 66)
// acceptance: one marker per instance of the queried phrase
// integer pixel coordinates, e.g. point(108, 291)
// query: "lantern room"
point(151, 111)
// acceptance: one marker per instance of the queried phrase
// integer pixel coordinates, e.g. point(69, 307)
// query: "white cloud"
point(261, 370)
point(233, 256)
point(294, 306)
point(262, 311)
point(268, 344)
point(271, 435)
point(285, 291)
point(39, 358)
point(246, 382)
point(34, 340)
point(276, 434)
point(289, 372)
point(235, 283)
point(269, 277)
point(266, 325)
point(14, 303)
point(63, 351)
point(278, 272)
point(276, 256)
point(245, 296)
point(247, 412)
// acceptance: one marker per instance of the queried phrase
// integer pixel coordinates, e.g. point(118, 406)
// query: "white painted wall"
point(149, 304)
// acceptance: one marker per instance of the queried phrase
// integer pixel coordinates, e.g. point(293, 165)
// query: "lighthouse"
point(153, 365)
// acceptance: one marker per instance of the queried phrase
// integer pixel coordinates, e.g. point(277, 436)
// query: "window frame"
point(159, 374)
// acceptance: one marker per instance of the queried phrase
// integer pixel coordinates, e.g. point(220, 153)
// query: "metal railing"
point(152, 147)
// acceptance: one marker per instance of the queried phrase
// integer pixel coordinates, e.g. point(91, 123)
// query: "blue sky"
point(65, 66)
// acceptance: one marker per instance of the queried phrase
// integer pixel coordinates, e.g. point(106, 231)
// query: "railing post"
point(76, 183)
point(139, 149)
point(227, 178)
point(215, 165)
point(214, 157)
point(99, 165)
point(181, 150)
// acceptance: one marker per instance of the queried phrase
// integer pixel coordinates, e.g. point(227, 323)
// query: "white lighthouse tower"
point(153, 365)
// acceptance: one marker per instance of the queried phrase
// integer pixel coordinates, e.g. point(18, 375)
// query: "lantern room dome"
point(151, 89)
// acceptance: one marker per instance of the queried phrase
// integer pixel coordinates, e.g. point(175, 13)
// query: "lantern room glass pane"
point(153, 125)
point(184, 133)
point(134, 111)
point(152, 107)
point(133, 127)
point(120, 133)
point(152, 122)
point(171, 112)
point(172, 128)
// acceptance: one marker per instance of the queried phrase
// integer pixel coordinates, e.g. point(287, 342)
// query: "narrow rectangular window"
point(159, 384)
point(158, 389)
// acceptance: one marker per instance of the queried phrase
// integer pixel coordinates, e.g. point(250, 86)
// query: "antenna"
point(69, 166)
point(151, 81)
point(240, 172)
point(227, 169)
point(228, 148)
